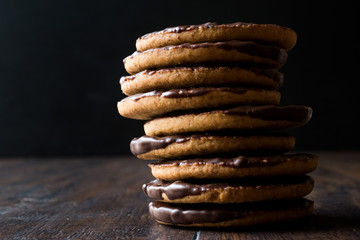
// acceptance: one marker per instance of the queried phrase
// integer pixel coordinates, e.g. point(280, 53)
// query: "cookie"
point(236, 167)
point(230, 215)
point(213, 32)
point(186, 77)
point(229, 191)
point(172, 147)
point(149, 105)
point(247, 118)
point(231, 52)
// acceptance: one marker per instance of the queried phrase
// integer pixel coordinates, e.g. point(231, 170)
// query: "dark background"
point(60, 64)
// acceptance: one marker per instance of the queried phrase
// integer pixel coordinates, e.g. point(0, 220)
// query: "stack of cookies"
point(214, 126)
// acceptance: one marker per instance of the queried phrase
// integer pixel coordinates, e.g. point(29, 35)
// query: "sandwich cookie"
point(172, 147)
point(213, 32)
point(223, 53)
point(229, 191)
point(236, 167)
point(230, 215)
point(245, 118)
point(186, 77)
point(149, 105)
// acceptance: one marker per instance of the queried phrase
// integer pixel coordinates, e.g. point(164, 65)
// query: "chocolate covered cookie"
point(247, 118)
point(212, 32)
point(235, 167)
point(148, 105)
point(229, 190)
point(172, 147)
point(230, 215)
point(219, 53)
point(200, 76)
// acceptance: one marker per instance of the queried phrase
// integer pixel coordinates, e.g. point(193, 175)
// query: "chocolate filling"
point(268, 72)
point(272, 52)
point(180, 189)
point(146, 144)
point(239, 162)
point(191, 92)
point(214, 213)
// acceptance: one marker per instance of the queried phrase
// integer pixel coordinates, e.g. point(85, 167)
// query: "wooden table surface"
point(101, 198)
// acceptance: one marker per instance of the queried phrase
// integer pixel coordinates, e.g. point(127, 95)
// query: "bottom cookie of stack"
point(229, 215)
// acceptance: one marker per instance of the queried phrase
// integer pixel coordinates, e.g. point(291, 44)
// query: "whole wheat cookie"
point(236, 167)
point(149, 105)
point(230, 52)
point(200, 76)
point(229, 191)
point(212, 32)
point(230, 215)
point(246, 118)
point(172, 147)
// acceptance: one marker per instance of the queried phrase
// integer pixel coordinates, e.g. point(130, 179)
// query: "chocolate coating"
point(180, 189)
point(146, 144)
point(214, 213)
point(272, 52)
point(239, 162)
point(184, 93)
point(270, 112)
point(269, 72)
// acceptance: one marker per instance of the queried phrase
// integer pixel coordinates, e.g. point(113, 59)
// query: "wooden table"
point(101, 198)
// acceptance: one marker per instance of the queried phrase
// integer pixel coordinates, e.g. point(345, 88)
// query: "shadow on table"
point(315, 223)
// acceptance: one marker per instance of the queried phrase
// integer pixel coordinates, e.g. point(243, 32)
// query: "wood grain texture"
point(101, 198)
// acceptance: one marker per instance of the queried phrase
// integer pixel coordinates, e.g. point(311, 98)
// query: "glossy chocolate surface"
point(214, 213)
point(180, 189)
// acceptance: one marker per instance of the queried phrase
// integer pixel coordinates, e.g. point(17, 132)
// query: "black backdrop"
point(60, 64)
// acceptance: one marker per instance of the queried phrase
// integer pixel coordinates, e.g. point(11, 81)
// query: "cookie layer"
point(229, 191)
point(237, 167)
point(229, 215)
point(172, 147)
point(186, 77)
point(148, 105)
point(213, 32)
point(231, 52)
point(241, 118)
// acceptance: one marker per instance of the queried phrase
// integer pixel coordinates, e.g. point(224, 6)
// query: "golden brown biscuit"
point(172, 147)
point(213, 32)
point(236, 167)
point(231, 52)
point(246, 118)
point(230, 190)
point(185, 77)
point(149, 105)
point(230, 215)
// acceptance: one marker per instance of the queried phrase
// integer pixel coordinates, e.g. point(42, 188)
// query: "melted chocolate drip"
point(180, 189)
point(213, 213)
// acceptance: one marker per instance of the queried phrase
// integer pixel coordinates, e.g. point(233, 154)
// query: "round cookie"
point(172, 147)
point(231, 191)
point(231, 52)
point(230, 215)
point(212, 32)
point(148, 105)
point(246, 118)
point(237, 167)
point(186, 77)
